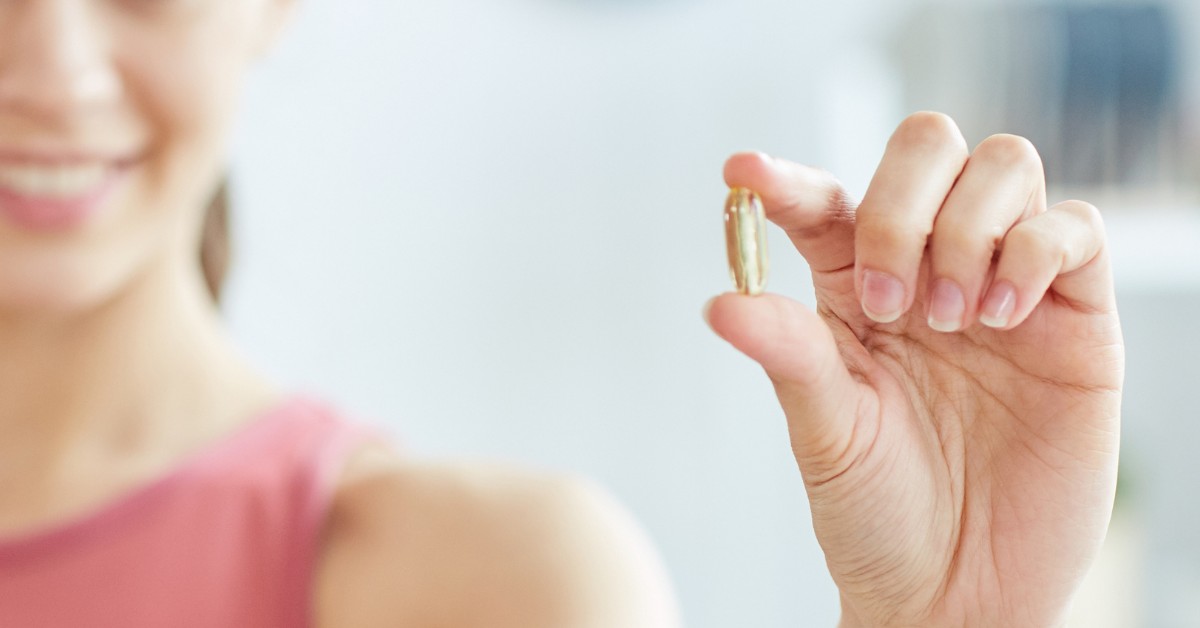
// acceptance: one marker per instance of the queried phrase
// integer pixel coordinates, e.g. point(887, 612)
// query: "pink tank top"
point(227, 539)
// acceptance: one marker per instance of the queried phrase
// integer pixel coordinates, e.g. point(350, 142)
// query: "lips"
point(50, 195)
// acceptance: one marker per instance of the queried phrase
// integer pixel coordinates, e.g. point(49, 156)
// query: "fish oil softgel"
point(746, 240)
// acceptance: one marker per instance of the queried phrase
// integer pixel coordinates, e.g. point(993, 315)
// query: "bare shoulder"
point(417, 544)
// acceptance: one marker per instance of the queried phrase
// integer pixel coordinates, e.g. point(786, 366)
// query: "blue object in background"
point(1121, 68)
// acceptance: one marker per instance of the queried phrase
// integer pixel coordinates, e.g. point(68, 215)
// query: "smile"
point(56, 195)
point(54, 182)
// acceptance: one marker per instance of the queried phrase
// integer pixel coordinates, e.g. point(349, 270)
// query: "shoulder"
point(471, 544)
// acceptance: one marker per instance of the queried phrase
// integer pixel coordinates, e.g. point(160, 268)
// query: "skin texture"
point(959, 474)
point(117, 307)
point(467, 544)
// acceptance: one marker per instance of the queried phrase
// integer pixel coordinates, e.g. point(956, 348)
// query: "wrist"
point(849, 618)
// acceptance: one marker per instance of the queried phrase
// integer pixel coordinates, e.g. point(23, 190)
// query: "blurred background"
point(491, 227)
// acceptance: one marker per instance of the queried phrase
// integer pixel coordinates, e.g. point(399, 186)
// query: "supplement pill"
point(746, 240)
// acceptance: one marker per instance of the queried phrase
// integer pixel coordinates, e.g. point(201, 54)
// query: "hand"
point(959, 473)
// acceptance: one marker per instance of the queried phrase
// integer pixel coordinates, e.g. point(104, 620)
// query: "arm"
point(463, 546)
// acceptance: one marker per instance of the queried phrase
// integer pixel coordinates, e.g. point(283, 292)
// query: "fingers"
point(797, 350)
point(809, 204)
point(932, 201)
point(966, 234)
point(1061, 250)
point(1001, 184)
point(920, 166)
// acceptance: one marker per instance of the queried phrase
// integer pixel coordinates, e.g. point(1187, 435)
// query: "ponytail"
point(215, 242)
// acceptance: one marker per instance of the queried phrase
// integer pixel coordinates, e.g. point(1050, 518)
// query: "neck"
point(141, 377)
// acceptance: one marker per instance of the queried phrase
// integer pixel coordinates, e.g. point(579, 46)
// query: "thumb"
point(798, 352)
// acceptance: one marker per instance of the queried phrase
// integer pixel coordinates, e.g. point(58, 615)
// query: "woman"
point(150, 477)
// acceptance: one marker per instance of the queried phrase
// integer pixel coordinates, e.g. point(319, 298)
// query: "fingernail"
point(999, 305)
point(946, 306)
point(883, 296)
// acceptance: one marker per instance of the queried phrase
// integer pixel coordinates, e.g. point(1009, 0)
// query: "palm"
point(981, 441)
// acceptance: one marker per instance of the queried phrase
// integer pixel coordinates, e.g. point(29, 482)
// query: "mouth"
point(55, 193)
point(59, 182)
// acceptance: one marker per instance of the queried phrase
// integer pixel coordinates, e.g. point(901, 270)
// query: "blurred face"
point(113, 120)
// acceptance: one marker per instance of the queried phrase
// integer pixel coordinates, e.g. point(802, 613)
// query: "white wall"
point(492, 225)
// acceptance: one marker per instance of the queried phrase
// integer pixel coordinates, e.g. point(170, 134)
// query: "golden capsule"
point(746, 240)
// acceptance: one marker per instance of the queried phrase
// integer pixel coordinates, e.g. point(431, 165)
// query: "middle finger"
point(1002, 184)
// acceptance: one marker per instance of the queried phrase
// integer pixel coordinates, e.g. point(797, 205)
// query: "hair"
point(215, 242)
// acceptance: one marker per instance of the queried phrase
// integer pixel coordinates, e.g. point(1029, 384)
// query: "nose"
point(53, 59)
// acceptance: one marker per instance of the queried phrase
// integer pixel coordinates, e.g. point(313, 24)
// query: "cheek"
point(64, 276)
point(185, 96)
point(179, 87)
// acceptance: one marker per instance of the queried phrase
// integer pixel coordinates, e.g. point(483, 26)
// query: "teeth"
point(52, 181)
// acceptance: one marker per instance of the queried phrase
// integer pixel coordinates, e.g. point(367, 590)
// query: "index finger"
point(809, 204)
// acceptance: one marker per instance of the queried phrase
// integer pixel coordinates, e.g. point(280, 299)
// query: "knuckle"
point(1087, 213)
point(839, 203)
point(1032, 241)
point(830, 192)
point(813, 202)
point(1010, 151)
point(957, 242)
point(969, 231)
point(933, 131)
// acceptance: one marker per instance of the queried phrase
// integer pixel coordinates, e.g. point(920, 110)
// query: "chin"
point(56, 284)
